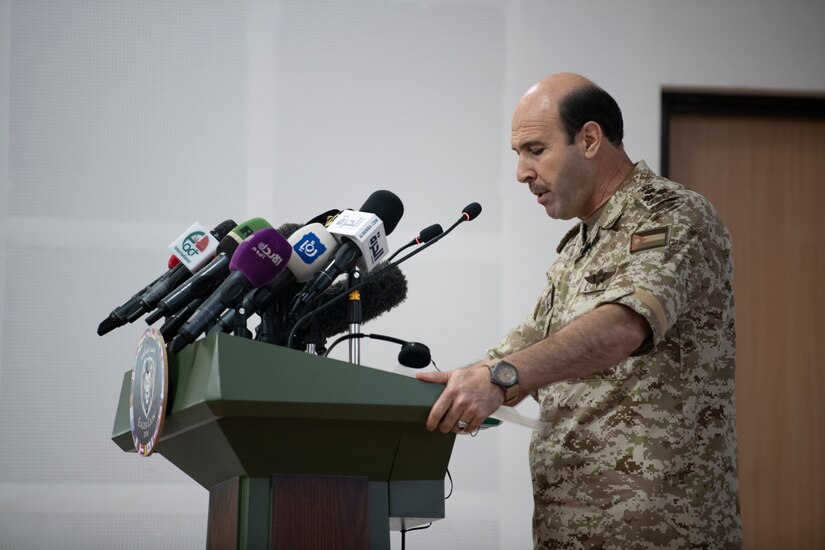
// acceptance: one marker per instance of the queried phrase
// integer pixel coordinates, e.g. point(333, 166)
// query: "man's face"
point(554, 171)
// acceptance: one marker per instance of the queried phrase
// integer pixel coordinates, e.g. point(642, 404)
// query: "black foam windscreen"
point(387, 206)
point(222, 229)
point(378, 296)
point(472, 210)
point(429, 233)
point(414, 355)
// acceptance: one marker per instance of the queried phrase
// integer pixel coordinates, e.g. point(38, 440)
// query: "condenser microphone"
point(426, 235)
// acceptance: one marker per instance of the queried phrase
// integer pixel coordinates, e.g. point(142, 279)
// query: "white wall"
point(123, 122)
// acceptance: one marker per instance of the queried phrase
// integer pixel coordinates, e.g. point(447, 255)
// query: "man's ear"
point(592, 138)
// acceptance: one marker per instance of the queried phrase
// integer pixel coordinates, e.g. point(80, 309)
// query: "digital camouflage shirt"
point(641, 455)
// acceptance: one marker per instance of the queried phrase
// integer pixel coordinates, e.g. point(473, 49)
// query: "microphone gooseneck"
point(414, 355)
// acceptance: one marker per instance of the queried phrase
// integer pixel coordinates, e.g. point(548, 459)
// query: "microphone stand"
point(356, 316)
point(239, 328)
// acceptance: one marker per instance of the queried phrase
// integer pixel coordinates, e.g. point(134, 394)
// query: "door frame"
point(735, 103)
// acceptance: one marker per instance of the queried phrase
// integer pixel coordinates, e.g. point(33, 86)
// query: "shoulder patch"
point(570, 234)
point(652, 195)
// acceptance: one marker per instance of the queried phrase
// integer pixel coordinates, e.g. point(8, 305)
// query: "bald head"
point(567, 133)
point(571, 100)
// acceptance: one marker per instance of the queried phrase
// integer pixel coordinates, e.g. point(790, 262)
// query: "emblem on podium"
point(150, 386)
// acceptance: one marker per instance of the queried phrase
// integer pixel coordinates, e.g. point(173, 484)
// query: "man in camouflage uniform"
point(629, 350)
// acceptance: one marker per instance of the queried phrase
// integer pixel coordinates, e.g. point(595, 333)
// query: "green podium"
point(296, 450)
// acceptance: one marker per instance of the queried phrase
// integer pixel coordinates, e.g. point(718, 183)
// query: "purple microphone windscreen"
point(261, 257)
point(387, 206)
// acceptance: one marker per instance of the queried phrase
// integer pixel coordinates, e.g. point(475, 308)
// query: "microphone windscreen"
point(378, 296)
point(414, 355)
point(230, 243)
point(387, 206)
point(312, 248)
point(429, 233)
point(288, 229)
point(261, 257)
point(247, 228)
point(222, 229)
point(472, 210)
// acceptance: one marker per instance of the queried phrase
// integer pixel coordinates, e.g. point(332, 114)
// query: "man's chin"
point(552, 213)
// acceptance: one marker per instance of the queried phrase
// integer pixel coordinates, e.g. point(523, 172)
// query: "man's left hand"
point(469, 398)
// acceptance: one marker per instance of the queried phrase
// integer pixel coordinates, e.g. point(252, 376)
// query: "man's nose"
point(524, 171)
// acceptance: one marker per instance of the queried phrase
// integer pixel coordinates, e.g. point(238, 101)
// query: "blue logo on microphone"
point(309, 248)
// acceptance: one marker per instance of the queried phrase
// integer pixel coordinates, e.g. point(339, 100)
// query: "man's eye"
point(536, 151)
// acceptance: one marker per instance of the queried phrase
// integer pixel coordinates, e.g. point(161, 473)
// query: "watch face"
point(506, 374)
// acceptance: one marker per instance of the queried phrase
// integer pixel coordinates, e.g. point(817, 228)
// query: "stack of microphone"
point(217, 279)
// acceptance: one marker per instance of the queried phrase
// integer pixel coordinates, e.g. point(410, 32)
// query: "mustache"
point(536, 189)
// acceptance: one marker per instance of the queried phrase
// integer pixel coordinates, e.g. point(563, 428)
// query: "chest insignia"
point(599, 277)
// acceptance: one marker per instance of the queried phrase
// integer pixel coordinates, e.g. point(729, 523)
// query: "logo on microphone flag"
point(309, 248)
point(195, 247)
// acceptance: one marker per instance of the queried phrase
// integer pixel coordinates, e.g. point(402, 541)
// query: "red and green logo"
point(195, 243)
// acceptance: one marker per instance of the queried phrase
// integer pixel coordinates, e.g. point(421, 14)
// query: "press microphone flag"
point(366, 231)
point(194, 248)
point(312, 247)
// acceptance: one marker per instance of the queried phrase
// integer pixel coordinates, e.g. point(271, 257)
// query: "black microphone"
point(384, 205)
point(137, 304)
point(414, 355)
point(172, 324)
point(426, 235)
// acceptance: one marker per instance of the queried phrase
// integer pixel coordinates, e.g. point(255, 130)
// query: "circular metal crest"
point(150, 386)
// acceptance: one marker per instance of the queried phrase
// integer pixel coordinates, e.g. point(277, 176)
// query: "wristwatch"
point(505, 376)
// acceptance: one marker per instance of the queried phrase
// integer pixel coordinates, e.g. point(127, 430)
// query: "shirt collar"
point(609, 213)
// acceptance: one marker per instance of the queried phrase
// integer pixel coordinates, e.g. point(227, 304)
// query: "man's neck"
point(611, 179)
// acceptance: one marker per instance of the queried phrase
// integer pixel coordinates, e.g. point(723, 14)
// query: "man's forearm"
point(587, 345)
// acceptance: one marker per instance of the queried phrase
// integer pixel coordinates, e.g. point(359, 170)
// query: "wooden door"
point(766, 177)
